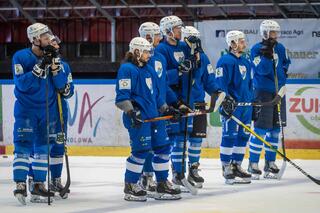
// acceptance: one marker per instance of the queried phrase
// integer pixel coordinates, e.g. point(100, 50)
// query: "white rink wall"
point(95, 121)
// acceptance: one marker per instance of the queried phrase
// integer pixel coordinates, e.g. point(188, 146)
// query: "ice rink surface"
point(97, 186)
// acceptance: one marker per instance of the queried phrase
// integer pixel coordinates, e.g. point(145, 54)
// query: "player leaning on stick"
point(204, 83)
point(266, 56)
point(57, 151)
point(234, 77)
point(33, 69)
point(138, 96)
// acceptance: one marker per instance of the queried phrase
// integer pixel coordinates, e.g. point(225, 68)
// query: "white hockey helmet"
point(167, 24)
point(234, 36)
point(141, 44)
point(267, 26)
point(35, 30)
point(149, 28)
point(189, 31)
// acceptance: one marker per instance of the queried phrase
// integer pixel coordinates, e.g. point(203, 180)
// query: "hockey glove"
point(38, 71)
point(267, 48)
point(174, 112)
point(185, 66)
point(227, 107)
point(135, 117)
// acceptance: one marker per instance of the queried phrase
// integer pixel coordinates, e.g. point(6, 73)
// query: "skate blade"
point(237, 181)
point(182, 188)
point(40, 199)
point(21, 199)
point(164, 196)
point(150, 194)
point(270, 176)
point(129, 197)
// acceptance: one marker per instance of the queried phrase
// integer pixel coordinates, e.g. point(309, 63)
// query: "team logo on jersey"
point(18, 69)
point(149, 84)
point(210, 69)
point(125, 84)
point(243, 71)
point(158, 68)
point(178, 56)
point(219, 72)
point(69, 78)
point(256, 60)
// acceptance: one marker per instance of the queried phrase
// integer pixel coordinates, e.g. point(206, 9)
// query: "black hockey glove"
point(174, 112)
point(135, 117)
point(267, 48)
point(227, 107)
point(193, 40)
point(185, 66)
point(51, 51)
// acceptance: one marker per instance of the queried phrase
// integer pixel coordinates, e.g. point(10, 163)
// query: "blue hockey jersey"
point(140, 85)
point(263, 78)
point(204, 79)
point(158, 62)
point(234, 77)
point(174, 56)
point(30, 90)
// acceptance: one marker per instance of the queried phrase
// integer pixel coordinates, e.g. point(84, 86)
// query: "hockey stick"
point(48, 141)
point(218, 102)
point(284, 164)
point(68, 183)
point(184, 181)
point(317, 181)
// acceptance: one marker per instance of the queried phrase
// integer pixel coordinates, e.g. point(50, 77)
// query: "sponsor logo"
point(302, 54)
point(291, 33)
point(222, 33)
point(306, 109)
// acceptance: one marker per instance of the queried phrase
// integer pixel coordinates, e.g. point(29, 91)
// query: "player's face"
point(177, 32)
point(149, 38)
point(242, 45)
point(273, 35)
point(44, 40)
point(156, 39)
point(145, 56)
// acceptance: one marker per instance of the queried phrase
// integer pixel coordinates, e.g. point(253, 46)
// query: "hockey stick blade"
point(219, 101)
point(282, 169)
point(191, 188)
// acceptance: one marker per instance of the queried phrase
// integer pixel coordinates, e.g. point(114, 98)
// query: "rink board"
point(95, 124)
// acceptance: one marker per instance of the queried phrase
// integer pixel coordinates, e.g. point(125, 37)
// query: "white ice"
point(97, 186)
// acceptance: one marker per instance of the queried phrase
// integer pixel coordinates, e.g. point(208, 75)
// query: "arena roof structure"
point(191, 9)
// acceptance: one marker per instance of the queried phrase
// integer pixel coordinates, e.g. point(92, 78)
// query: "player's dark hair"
point(132, 58)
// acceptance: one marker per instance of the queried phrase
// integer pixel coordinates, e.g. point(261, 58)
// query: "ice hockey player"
point(178, 67)
point(234, 77)
point(204, 82)
point(57, 150)
point(138, 96)
point(151, 32)
point(33, 68)
point(264, 56)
